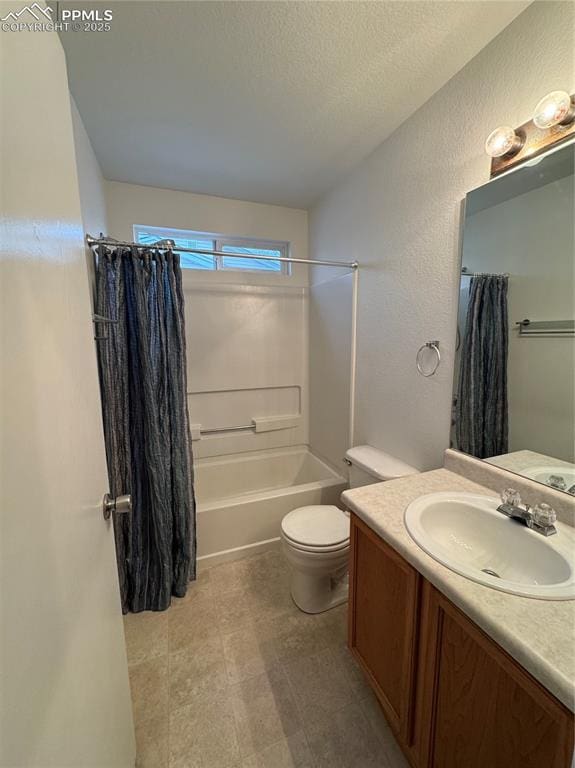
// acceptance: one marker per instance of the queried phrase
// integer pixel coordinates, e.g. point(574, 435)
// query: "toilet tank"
point(369, 465)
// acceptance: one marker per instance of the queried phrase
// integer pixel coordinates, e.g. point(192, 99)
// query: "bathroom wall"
point(539, 259)
point(398, 213)
point(247, 333)
point(91, 188)
point(90, 179)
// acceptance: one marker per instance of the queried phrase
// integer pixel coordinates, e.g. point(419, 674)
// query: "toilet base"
point(317, 594)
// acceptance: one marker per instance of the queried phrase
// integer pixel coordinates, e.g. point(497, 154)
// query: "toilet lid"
point(317, 526)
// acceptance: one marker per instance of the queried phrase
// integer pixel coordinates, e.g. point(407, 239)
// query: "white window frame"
point(219, 241)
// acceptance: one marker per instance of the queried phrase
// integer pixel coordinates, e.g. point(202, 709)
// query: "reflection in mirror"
point(514, 389)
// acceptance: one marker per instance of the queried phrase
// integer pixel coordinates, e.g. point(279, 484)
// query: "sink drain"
point(491, 573)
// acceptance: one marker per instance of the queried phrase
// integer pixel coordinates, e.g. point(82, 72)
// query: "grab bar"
point(216, 430)
point(259, 424)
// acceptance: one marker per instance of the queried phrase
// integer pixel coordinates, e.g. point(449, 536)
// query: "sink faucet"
point(557, 481)
point(541, 519)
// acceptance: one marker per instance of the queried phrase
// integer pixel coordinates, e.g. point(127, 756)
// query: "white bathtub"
point(241, 499)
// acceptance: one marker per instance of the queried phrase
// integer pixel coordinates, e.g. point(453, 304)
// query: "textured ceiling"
point(264, 101)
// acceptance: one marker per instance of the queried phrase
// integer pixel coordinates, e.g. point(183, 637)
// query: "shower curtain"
point(482, 413)
point(142, 364)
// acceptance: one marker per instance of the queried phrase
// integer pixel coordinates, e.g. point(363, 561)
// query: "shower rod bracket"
point(96, 319)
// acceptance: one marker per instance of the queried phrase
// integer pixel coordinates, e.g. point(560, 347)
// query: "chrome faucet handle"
point(510, 497)
point(544, 516)
point(557, 481)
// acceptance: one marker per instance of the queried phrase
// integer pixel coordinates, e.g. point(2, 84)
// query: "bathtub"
point(241, 499)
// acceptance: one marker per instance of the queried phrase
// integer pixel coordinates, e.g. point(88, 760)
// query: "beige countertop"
point(539, 634)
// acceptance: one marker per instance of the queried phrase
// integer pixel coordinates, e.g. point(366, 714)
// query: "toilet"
point(315, 539)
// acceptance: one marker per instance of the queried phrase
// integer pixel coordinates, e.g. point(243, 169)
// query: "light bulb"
point(503, 141)
point(554, 109)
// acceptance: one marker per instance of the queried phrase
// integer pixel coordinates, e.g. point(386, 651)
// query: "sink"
point(464, 532)
point(543, 473)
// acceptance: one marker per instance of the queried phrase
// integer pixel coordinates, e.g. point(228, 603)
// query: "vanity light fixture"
point(556, 108)
point(553, 123)
point(503, 141)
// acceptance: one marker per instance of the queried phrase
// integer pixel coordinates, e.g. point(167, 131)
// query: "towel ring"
point(434, 345)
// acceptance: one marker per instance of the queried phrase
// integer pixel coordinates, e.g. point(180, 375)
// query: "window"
point(203, 241)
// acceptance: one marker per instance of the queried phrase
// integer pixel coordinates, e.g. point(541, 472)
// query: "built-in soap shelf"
point(258, 424)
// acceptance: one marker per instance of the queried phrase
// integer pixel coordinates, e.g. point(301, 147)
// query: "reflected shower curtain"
point(482, 414)
point(146, 425)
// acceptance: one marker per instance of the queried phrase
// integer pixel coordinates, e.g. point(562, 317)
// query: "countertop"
point(539, 634)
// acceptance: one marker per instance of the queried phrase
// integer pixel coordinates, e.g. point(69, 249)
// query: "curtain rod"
point(169, 245)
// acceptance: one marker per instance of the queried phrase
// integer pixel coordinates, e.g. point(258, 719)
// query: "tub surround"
point(496, 478)
point(537, 633)
point(235, 321)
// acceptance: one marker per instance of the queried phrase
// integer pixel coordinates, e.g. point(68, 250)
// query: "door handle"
point(119, 505)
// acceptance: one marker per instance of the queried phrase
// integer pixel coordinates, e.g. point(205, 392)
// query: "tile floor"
point(235, 676)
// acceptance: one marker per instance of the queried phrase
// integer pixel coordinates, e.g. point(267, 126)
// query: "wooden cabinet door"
point(383, 624)
point(482, 710)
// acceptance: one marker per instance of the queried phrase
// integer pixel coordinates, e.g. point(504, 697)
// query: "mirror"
point(514, 387)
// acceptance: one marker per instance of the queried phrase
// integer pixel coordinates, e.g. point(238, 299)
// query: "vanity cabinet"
point(452, 696)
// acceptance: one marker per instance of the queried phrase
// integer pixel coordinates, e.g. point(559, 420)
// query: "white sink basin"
point(543, 473)
point(465, 532)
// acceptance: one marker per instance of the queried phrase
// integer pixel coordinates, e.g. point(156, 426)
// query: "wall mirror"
point(514, 387)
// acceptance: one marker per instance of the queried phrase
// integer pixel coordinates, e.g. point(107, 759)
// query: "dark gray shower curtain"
point(146, 424)
point(482, 413)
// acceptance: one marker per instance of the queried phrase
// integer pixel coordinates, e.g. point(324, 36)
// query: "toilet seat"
point(318, 528)
point(316, 550)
